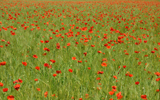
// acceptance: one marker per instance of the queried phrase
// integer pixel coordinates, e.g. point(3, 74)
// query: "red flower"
point(100, 72)
point(54, 75)
point(73, 58)
point(68, 44)
point(108, 47)
point(157, 90)
point(119, 96)
point(92, 45)
point(137, 51)
point(36, 79)
point(5, 89)
point(104, 64)
point(2, 63)
point(24, 63)
point(10, 97)
point(38, 89)
point(130, 75)
point(111, 92)
point(17, 86)
point(144, 97)
point(98, 78)
point(53, 61)
point(20, 81)
point(58, 71)
point(35, 56)
point(46, 65)
point(70, 70)
point(45, 94)
point(80, 98)
point(157, 73)
point(124, 66)
point(145, 41)
point(99, 51)
point(38, 68)
point(136, 83)
point(156, 49)
point(79, 61)
point(1, 84)
point(152, 51)
point(89, 68)
point(115, 77)
point(16, 81)
point(158, 79)
point(85, 53)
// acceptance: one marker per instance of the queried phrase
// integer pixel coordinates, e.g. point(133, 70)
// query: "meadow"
point(79, 50)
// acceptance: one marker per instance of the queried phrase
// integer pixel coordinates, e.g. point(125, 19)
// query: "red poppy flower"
point(89, 68)
point(70, 70)
point(124, 66)
point(5, 89)
point(98, 78)
point(17, 86)
point(68, 44)
point(126, 53)
point(38, 89)
point(24, 63)
point(92, 45)
point(111, 92)
point(46, 94)
point(20, 81)
point(46, 64)
point(85, 53)
point(46, 41)
point(3, 63)
point(157, 90)
point(16, 81)
point(115, 77)
point(36, 79)
point(46, 49)
point(1, 84)
point(157, 73)
point(54, 75)
point(104, 59)
point(38, 68)
point(114, 87)
point(130, 75)
point(158, 79)
point(137, 51)
point(152, 51)
point(119, 96)
point(144, 97)
point(35, 56)
point(10, 97)
point(136, 83)
point(73, 58)
point(100, 72)
point(108, 47)
point(104, 64)
point(145, 55)
point(53, 61)
point(58, 71)
point(79, 61)
point(156, 49)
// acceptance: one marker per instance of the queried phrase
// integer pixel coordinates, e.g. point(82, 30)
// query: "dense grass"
point(116, 43)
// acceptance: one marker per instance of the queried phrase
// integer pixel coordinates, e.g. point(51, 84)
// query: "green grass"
point(106, 14)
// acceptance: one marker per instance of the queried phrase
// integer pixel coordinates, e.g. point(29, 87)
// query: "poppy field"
point(80, 50)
